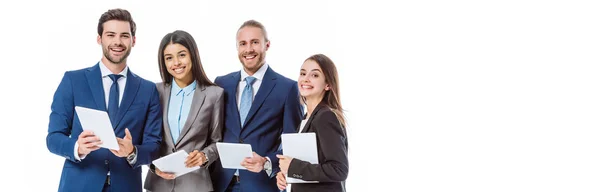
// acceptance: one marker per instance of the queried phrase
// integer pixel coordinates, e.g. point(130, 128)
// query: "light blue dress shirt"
point(180, 102)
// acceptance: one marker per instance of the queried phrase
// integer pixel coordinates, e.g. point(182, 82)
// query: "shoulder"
point(327, 119)
point(325, 114)
point(219, 80)
point(284, 80)
point(147, 83)
point(160, 85)
point(78, 72)
point(144, 83)
point(213, 90)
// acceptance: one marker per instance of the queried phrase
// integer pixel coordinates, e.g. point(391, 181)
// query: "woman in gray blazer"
point(192, 115)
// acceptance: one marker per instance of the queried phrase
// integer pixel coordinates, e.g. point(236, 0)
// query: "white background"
point(440, 95)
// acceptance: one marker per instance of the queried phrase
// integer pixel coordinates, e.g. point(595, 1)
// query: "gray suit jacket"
point(201, 131)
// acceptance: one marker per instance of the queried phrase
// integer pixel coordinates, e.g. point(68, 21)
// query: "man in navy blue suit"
point(133, 107)
point(260, 105)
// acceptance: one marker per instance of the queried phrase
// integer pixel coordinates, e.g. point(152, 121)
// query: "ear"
point(327, 87)
point(99, 40)
point(267, 45)
point(133, 43)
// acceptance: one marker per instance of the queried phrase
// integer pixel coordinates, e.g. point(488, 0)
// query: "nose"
point(304, 79)
point(248, 48)
point(117, 42)
point(176, 61)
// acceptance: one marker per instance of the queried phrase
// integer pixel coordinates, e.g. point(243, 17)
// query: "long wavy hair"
point(332, 97)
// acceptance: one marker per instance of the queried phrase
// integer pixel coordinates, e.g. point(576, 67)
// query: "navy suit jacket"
point(139, 111)
point(276, 109)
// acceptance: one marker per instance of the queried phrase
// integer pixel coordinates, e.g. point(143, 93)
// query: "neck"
point(311, 104)
point(251, 72)
point(182, 83)
point(115, 68)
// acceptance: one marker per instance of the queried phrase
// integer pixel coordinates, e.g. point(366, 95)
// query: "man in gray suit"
point(193, 115)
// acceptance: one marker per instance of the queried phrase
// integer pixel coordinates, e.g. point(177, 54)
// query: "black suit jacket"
point(332, 148)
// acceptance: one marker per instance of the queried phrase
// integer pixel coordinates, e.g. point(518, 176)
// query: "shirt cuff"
point(76, 155)
point(269, 169)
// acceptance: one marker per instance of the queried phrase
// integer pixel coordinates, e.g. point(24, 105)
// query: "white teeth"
point(306, 87)
point(178, 70)
point(250, 57)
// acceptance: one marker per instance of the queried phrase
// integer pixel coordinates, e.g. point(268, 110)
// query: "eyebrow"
point(250, 40)
point(312, 70)
point(112, 32)
point(182, 51)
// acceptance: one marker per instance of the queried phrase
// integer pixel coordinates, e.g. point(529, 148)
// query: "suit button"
point(173, 150)
point(241, 141)
point(106, 162)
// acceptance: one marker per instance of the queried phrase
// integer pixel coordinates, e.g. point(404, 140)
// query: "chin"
point(304, 94)
point(250, 65)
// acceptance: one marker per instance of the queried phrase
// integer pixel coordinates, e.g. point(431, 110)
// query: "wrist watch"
point(206, 159)
point(131, 156)
point(267, 165)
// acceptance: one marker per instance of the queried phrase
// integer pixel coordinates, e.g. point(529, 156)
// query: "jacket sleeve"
point(148, 150)
point(59, 139)
point(216, 129)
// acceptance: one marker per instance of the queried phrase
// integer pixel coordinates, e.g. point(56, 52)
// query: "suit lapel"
point(197, 102)
point(235, 112)
point(131, 89)
point(165, 104)
point(265, 89)
point(307, 126)
point(94, 78)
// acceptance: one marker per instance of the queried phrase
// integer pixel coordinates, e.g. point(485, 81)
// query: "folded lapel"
point(312, 117)
point(131, 89)
point(165, 105)
point(94, 78)
point(197, 102)
point(232, 88)
point(265, 89)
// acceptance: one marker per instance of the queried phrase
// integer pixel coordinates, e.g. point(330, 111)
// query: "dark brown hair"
point(331, 97)
point(185, 39)
point(116, 14)
point(253, 23)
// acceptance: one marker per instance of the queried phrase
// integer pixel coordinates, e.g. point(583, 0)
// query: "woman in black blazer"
point(318, 85)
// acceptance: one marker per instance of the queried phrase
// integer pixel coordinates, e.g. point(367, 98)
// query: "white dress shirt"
point(302, 124)
point(259, 75)
point(106, 83)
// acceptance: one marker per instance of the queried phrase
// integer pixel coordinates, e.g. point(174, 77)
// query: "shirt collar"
point(258, 75)
point(105, 71)
point(187, 90)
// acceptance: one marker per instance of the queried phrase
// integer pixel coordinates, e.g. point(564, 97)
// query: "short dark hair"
point(185, 39)
point(116, 14)
point(253, 23)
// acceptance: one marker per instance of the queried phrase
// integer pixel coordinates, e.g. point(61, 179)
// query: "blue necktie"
point(246, 100)
point(113, 99)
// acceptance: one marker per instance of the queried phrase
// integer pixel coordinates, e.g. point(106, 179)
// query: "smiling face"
point(116, 41)
point(179, 64)
point(252, 48)
point(311, 82)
